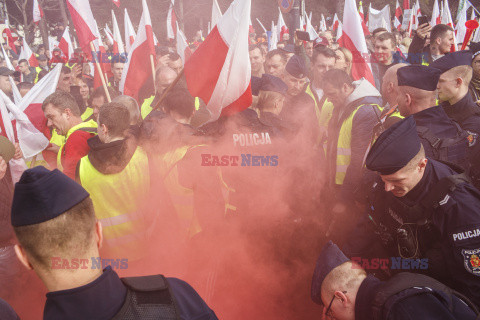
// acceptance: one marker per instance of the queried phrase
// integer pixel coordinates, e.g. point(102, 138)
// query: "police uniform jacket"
point(104, 297)
point(465, 112)
point(411, 303)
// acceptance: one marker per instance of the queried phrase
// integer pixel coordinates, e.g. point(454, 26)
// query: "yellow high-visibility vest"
point(89, 125)
point(117, 199)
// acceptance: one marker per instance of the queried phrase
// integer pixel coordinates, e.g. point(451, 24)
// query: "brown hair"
point(62, 100)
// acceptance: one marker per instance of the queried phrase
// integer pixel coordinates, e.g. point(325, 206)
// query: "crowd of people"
point(242, 206)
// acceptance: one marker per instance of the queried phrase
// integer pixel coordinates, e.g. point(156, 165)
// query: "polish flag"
point(335, 22)
point(406, 4)
point(354, 40)
point(281, 26)
point(183, 49)
point(7, 60)
point(117, 37)
point(129, 31)
point(27, 54)
point(323, 24)
point(10, 38)
point(436, 19)
point(31, 104)
point(138, 68)
point(216, 14)
point(223, 83)
point(398, 13)
point(460, 28)
point(310, 29)
point(99, 55)
point(83, 22)
point(109, 35)
point(65, 44)
point(117, 3)
point(339, 31)
point(446, 15)
point(360, 11)
point(37, 12)
point(171, 21)
point(272, 43)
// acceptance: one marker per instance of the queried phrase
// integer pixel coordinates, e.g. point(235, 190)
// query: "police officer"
point(345, 291)
point(59, 238)
point(420, 208)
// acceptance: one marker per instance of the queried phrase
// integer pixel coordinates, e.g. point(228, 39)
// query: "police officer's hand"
point(424, 30)
point(18, 152)
point(3, 167)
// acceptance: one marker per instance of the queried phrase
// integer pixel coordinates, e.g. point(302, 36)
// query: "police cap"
point(42, 195)
point(475, 49)
point(330, 258)
point(452, 60)
point(272, 83)
point(296, 67)
point(418, 76)
point(395, 147)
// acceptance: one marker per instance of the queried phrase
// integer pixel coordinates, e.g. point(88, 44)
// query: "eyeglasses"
point(327, 312)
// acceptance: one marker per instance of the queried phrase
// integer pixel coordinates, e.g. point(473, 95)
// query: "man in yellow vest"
point(115, 173)
point(63, 114)
point(164, 76)
point(356, 112)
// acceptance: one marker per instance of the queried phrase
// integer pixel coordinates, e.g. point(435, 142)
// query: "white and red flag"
point(398, 13)
point(335, 22)
point(436, 18)
point(353, 39)
point(360, 11)
point(129, 31)
point(171, 21)
point(9, 35)
point(216, 14)
point(65, 44)
point(323, 24)
point(109, 35)
point(446, 15)
point(37, 12)
point(223, 83)
point(138, 68)
point(117, 3)
point(310, 29)
point(100, 57)
point(183, 49)
point(83, 22)
point(281, 26)
point(117, 37)
point(27, 54)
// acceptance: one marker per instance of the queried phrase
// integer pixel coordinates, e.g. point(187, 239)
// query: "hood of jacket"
point(363, 89)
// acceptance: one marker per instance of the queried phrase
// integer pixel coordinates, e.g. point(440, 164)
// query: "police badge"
point(472, 261)
point(472, 138)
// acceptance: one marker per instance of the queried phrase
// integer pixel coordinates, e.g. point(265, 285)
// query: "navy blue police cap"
point(394, 148)
point(418, 76)
point(474, 49)
point(452, 60)
point(272, 83)
point(296, 67)
point(289, 48)
point(42, 195)
point(330, 258)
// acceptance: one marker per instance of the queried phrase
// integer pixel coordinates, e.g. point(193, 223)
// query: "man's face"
point(335, 95)
point(5, 85)
point(84, 90)
point(57, 120)
point(164, 81)
point(117, 71)
point(43, 64)
point(447, 88)
point(256, 59)
point(23, 67)
point(97, 103)
point(383, 51)
point(309, 48)
point(64, 82)
point(321, 65)
point(275, 66)
point(340, 61)
point(176, 65)
point(41, 51)
point(476, 66)
point(446, 42)
point(329, 37)
point(401, 182)
point(295, 85)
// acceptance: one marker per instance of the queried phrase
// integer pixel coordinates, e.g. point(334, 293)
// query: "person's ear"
point(342, 296)
point(458, 82)
point(22, 256)
point(408, 99)
point(98, 234)
point(422, 165)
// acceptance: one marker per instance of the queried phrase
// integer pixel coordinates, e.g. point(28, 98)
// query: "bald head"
point(163, 78)
point(413, 100)
point(132, 106)
point(390, 84)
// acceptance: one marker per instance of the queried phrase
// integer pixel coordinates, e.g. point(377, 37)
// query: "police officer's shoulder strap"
point(423, 284)
point(148, 297)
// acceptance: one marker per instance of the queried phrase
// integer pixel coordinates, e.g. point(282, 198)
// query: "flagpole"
point(164, 94)
point(99, 70)
point(152, 63)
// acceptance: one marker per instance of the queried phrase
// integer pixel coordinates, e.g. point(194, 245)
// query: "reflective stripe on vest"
point(344, 147)
point(324, 115)
point(146, 107)
point(117, 199)
point(87, 114)
point(37, 70)
point(226, 193)
point(182, 197)
point(84, 125)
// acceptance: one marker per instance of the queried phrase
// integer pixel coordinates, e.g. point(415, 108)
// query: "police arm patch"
point(471, 259)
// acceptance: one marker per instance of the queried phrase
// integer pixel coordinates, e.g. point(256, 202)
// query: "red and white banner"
point(446, 15)
point(436, 18)
point(216, 14)
point(117, 3)
point(129, 31)
point(171, 21)
point(398, 13)
point(83, 22)
point(109, 35)
point(281, 26)
point(379, 18)
point(310, 29)
point(117, 37)
point(354, 40)
point(105, 67)
point(37, 12)
point(65, 44)
point(183, 49)
point(335, 22)
point(27, 54)
point(9, 37)
point(223, 83)
point(360, 11)
point(138, 67)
